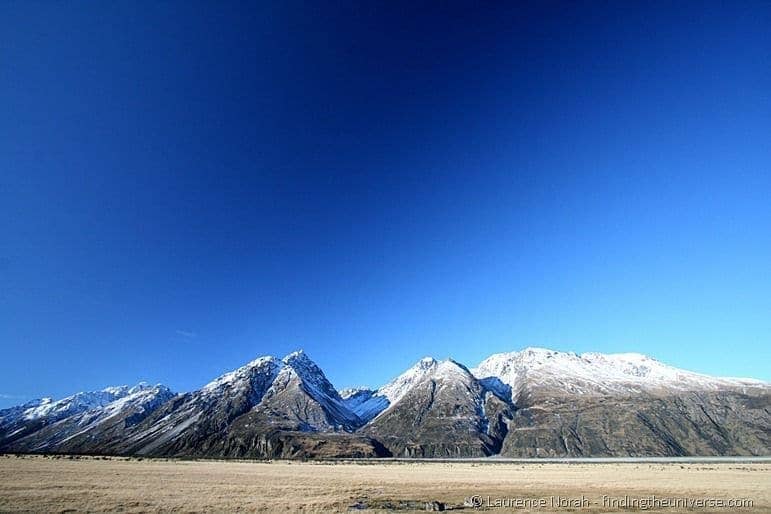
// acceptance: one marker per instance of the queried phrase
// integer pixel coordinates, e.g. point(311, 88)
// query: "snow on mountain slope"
point(365, 403)
point(38, 423)
point(93, 424)
point(140, 399)
point(316, 385)
point(595, 373)
point(270, 392)
point(296, 364)
point(79, 402)
point(435, 408)
point(398, 387)
point(214, 405)
point(441, 410)
point(13, 414)
point(369, 405)
point(313, 378)
point(242, 380)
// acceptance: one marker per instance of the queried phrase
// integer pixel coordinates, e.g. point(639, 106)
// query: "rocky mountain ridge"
point(531, 403)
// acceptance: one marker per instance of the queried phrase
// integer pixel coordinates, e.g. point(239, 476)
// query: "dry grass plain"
point(44, 484)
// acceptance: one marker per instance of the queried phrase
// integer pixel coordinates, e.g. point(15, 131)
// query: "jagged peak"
point(300, 360)
point(145, 388)
point(426, 362)
point(300, 363)
point(261, 361)
point(124, 390)
point(79, 402)
point(266, 364)
point(297, 355)
point(398, 387)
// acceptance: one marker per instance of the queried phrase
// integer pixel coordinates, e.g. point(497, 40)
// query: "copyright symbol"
point(475, 501)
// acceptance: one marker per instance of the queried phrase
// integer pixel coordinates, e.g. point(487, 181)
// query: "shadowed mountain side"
point(698, 423)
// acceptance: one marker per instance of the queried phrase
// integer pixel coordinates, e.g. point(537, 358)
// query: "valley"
point(85, 484)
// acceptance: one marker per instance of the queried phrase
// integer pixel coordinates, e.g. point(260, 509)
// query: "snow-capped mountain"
point(100, 421)
point(367, 404)
point(79, 402)
point(439, 409)
point(533, 402)
point(537, 369)
point(13, 414)
point(192, 419)
point(625, 404)
point(251, 380)
point(264, 396)
point(269, 375)
point(89, 408)
point(315, 384)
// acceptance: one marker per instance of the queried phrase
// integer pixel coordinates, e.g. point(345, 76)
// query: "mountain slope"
point(626, 405)
point(694, 423)
point(368, 404)
point(98, 427)
point(260, 410)
point(20, 422)
point(439, 409)
point(534, 370)
point(531, 403)
point(195, 421)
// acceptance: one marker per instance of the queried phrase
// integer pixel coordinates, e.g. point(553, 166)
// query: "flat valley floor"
point(90, 484)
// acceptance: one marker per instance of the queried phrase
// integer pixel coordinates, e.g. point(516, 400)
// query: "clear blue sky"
point(185, 186)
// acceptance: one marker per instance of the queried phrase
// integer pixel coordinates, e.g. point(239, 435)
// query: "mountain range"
point(531, 403)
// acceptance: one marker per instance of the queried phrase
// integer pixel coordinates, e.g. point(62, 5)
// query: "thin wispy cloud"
point(5, 396)
point(186, 333)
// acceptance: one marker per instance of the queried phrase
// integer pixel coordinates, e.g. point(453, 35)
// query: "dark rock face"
point(444, 415)
point(280, 444)
point(17, 430)
point(699, 423)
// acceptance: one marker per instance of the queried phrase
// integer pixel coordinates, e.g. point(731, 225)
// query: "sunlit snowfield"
point(48, 484)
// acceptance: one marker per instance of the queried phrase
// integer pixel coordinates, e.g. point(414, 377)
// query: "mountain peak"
point(426, 362)
point(297, 356)
point(240, 377)
point(595, 373)
point(303, 365)
point(399, 386)
point(435, 408)
point(78, 402)
point(538, 350)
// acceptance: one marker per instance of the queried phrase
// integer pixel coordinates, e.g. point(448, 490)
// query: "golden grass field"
point(46, 484)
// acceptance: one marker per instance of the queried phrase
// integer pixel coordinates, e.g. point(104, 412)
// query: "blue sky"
point(186, 186)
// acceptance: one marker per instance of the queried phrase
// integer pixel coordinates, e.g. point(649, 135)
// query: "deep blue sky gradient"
point(185, 186)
